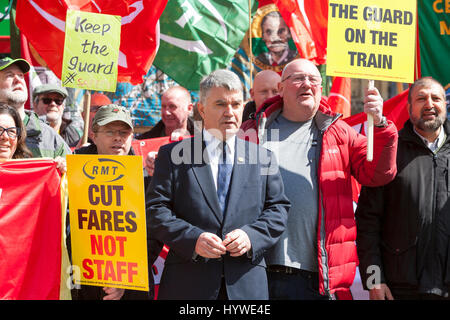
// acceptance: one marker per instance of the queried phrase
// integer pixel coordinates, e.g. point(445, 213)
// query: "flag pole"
point(369, 157)
point(250, 41)
point(86, 110)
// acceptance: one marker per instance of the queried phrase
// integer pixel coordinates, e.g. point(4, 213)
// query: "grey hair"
point(221, 78)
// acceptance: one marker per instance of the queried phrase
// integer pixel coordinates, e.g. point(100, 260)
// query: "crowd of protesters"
point(280, 228)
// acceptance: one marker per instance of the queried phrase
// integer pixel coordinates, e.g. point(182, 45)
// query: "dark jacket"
point(159, 130)
point(154, 248)
point(42, 140)
point(70, 133)
point(403, 228)
point(249, 111)
point(183, 204)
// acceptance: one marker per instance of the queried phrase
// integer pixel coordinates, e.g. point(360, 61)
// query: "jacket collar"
point(272, 107)
point(407, 132)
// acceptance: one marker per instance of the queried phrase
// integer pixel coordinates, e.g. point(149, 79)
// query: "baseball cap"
point(99, 99)
point(49, 87)
point(21, 63)
point(110, 113)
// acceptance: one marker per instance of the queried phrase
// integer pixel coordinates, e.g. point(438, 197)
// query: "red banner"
point(30, 230)
point(340, 96)
point(43, 23)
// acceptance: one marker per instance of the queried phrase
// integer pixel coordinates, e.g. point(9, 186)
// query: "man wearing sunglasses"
point(49, 104)
point(318, 154)
point(41, 139)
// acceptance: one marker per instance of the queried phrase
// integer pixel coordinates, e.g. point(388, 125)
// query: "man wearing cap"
point(112, 129)
point(49, 104)
point(41, 139)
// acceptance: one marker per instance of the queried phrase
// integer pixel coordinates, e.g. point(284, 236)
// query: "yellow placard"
point(91, 51)
point(107, 221)
point(371, 39)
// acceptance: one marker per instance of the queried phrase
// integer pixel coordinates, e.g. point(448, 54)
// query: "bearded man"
point(403, 228)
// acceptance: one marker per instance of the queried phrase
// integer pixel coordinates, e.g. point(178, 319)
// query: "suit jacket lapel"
point(202, 173)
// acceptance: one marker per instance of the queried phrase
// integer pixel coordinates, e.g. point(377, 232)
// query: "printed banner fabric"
point(30, 230)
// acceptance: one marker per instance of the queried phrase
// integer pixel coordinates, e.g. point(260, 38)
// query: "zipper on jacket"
point(323, 251)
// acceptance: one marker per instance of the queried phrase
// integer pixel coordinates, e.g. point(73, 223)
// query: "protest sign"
point(91, 51)
point(143, 147)
point(372, 39)
point(107, 221)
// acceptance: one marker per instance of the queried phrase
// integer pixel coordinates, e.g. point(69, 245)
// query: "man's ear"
point(280, 89)
point(252, 94)
point(408, 107)
point(201, 109)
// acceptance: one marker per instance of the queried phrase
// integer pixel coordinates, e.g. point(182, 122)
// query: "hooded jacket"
point(342, 155)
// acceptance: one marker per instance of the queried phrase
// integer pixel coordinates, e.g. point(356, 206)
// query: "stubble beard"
point(429, 125)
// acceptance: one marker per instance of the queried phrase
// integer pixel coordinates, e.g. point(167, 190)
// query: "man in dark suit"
point(218, 202)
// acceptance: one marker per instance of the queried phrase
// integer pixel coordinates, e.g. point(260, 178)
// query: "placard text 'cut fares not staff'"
point(107, 221)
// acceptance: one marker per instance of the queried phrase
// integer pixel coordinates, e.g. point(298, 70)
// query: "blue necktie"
point(223, 178)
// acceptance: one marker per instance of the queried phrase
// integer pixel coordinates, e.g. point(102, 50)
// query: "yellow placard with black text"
point(91, 51)
point(107, 221)
point(370, 39)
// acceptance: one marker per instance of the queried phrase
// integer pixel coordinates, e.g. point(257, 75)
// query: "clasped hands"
point(210, 245)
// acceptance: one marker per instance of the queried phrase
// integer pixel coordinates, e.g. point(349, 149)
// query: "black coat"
point(159, 130)
point(404, 227)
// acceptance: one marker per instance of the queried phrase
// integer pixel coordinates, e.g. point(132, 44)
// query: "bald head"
point(176, 105)
point(301, 90)
point(265, 86)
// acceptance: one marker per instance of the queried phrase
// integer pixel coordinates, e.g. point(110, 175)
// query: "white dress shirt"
point(214, 149)
point(437, 143)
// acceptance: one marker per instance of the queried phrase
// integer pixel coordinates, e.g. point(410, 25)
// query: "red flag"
point(308, 22)
point(30, 230)
point(394, 109)
point(43, 23)
point(340, 96)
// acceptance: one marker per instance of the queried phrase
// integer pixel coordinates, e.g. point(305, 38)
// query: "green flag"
point(434, 39)
point(200, 36)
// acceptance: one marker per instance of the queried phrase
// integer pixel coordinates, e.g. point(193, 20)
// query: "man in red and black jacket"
point(318, 154)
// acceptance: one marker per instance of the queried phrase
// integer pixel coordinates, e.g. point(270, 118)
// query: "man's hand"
point(237, 243)
point(113, 293)
point(380, 292)
point(150, 162)
point(61, 164)
point(373, 104)
point(209, 246)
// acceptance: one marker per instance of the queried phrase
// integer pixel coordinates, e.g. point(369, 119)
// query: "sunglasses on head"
point(49, 100)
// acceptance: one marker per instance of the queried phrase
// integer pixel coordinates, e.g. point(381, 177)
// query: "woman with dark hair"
point(12, 134)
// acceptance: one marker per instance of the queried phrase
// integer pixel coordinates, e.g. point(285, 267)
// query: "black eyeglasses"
point(12, 132)
point(49, 100)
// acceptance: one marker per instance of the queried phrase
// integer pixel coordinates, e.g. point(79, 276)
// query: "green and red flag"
point(200, 36)
point(434, 40)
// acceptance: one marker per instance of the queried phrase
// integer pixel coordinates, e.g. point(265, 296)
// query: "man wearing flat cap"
point(49, 104)
point(41, 139)
point(112, 129)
